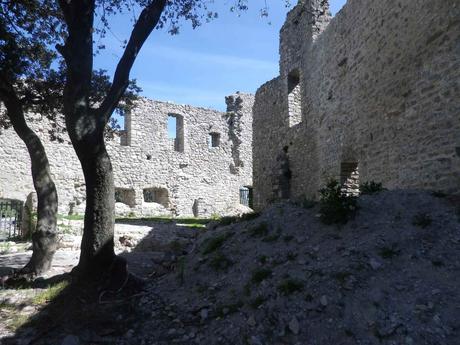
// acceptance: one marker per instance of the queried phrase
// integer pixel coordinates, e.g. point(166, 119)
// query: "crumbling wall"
point(144, 161)
point(380, 88)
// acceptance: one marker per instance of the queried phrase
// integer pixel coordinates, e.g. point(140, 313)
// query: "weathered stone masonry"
point(153, 173)
point(371, 94)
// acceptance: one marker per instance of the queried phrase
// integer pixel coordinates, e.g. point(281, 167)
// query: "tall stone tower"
point(303, 25)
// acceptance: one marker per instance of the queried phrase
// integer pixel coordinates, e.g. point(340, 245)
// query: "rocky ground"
point(391, 275)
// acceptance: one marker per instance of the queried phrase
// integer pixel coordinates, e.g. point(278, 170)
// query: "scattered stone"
point(294, 325)
point(323, 301)
point(375, 264)
point(251, 321)
point(70, 340)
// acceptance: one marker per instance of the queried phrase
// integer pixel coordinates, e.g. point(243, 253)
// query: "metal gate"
point(246, 196)
point(10, 218)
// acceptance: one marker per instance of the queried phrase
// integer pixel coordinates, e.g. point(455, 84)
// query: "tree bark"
point(97, 246)
point(44, 240)
point(86, 128)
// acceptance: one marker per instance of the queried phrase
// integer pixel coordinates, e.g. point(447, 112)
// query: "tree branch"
point(146, 22)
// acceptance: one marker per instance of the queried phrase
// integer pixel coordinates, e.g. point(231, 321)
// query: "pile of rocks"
point(389, 276)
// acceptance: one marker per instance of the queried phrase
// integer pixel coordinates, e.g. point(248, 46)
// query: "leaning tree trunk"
point(44, 240)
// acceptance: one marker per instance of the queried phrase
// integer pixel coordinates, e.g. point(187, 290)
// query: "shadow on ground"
point(56, 310)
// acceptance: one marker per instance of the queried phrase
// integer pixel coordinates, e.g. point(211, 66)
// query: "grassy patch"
point(259, 230)
point(262, 259)
point(291, 256)
point(227, 309)
point(5, 247)
point(388, 252)
point(260, 275)
point(438, 194)
point(17, 321)
point(342, 276)
point(271, 238)
point(289, 286)
point(219, 262)
point(245, 217)
point(257, 302)
point(335, 206)
point(371, 187)
point(49, 294)
point(212, 244)
point(422, 220)
point(288, 238)
point(308, 203)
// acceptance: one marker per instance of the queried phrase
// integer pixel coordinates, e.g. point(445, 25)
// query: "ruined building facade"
point(199, 172)
point(372, 94)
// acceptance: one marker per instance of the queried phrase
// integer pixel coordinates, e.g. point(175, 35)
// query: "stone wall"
point(152, 174)
point(379, 90)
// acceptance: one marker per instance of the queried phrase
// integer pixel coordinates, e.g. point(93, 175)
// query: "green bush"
point(422, 220)
point(212, 244)
point(260, 274)
point(371, 187)
point(289, 286)
point(220, 262)
point(259, 230)
point(335, 206)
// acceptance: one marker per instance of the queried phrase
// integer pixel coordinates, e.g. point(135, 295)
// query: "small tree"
point(28, 83)
point(24, 77)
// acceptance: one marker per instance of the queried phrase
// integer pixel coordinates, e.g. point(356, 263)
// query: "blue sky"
point(200, 67)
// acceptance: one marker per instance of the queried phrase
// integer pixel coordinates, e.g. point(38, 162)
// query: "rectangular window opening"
point(176, 132)
point(213, 140)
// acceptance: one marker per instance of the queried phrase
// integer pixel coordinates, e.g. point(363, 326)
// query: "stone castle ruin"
point(199, 172)
point(372, 94)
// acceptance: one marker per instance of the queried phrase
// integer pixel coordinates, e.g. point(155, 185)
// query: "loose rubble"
point(286, 278)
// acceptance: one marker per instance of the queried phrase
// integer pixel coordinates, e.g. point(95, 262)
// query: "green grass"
point(17, 321)
point(335, 206)
point(257, 302)
point(389, 252)
point(49, 294)
point(263, 259)
point(236, 219)
point(71, 217)
point(260, 275)
point(422, 220)
point(371, 187)
point(185, 221)
point(259, 230)
point(291, 256)
point(219, 262)
point(289, 286)
point(288, 238)
point(212, 244)
point(228, 309)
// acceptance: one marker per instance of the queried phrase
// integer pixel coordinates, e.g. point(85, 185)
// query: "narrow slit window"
point(294, 98)
point(176, 132)
point(213, 140)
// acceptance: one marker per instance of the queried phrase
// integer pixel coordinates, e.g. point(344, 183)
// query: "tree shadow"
point(94, 312)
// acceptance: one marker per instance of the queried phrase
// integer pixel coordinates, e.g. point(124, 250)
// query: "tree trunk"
point(97, 255)
point(44, 240)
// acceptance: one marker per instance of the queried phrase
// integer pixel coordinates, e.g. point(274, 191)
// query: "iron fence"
point(246, 196)
point(10, 218)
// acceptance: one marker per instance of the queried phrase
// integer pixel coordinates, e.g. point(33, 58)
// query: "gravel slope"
point(389, 276)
